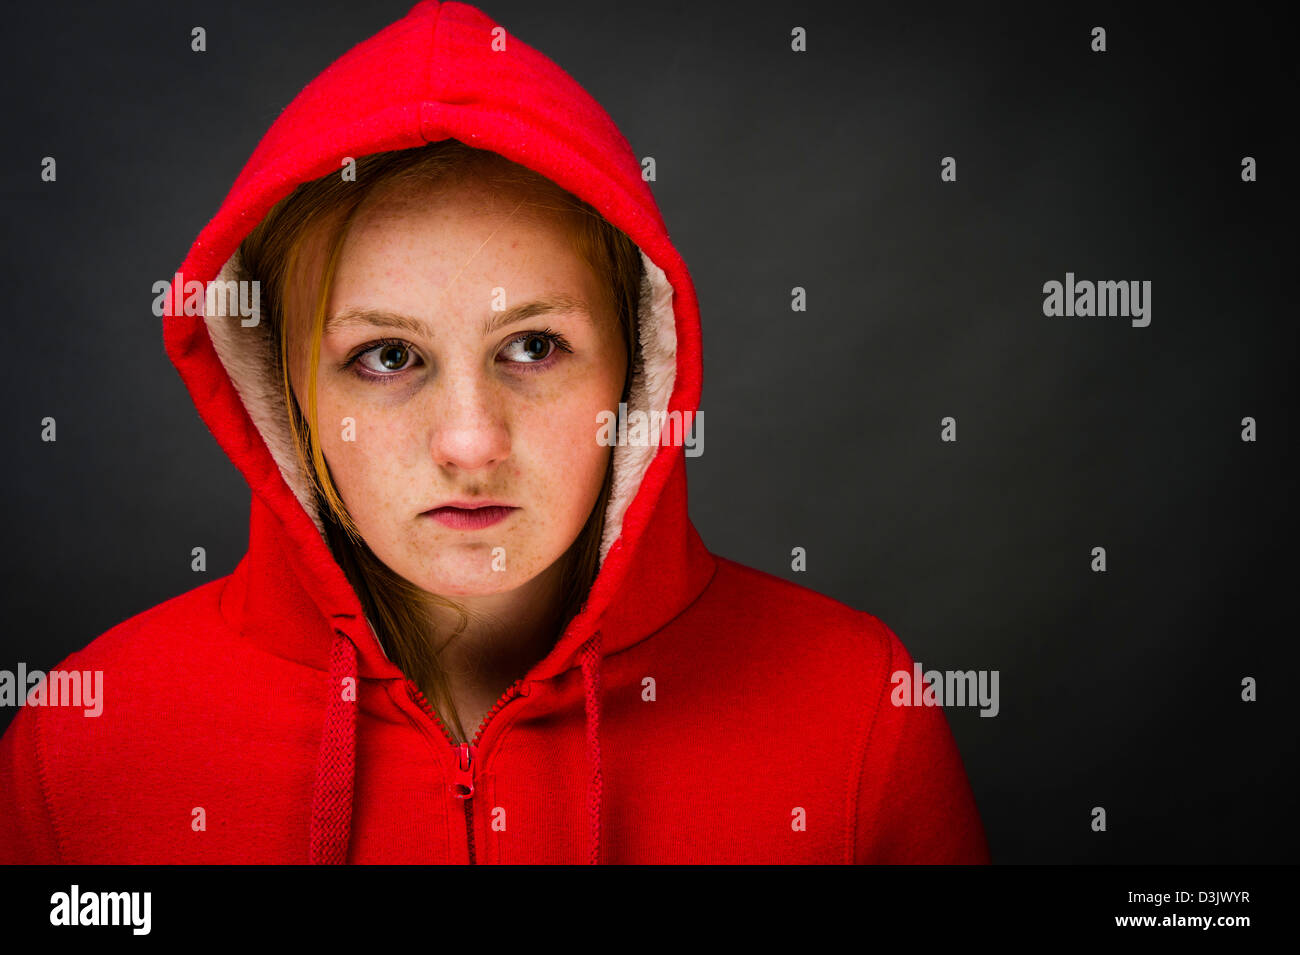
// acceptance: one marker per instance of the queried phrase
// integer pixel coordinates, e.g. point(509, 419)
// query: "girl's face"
point(466, 356)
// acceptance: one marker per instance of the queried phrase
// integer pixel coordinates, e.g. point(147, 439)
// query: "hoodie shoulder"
point(125, 677)
point(772, 603)
point(188, 623)
point(181, 711)
point(58, 758)
point(784, 636)
point(898, 771)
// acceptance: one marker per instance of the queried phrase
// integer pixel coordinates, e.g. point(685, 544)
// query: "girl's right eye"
point(384, 359)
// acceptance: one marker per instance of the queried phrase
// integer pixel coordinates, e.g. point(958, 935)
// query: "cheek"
point(370, 454)
point(563, 447)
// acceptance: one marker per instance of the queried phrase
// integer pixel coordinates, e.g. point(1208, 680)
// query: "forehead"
point(484, 192)
point(469, 239)
point(451, 252)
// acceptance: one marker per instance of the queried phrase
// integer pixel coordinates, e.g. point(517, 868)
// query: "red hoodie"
point(695, 710)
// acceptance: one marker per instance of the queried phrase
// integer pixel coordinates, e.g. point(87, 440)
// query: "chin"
point(466, 575)
point(466, 587)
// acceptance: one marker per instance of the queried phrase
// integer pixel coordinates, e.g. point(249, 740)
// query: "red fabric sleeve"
point(27, 834)
point(915, 803)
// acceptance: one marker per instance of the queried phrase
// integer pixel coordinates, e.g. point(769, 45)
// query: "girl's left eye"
point(535, 348)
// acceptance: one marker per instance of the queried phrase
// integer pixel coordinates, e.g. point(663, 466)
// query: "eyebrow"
point(382, 318)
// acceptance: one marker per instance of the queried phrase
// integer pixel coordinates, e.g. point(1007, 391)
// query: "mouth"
point(469, 517)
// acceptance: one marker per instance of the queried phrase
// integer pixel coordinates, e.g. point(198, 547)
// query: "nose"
point(470, 430)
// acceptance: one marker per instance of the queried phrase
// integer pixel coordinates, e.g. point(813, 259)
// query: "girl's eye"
point(385, 359)
point(535, 348)
point(391, 357)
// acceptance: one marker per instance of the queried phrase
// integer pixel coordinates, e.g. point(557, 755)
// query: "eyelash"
point(554, 337)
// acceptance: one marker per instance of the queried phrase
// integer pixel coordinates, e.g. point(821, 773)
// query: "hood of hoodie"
point(445, 70)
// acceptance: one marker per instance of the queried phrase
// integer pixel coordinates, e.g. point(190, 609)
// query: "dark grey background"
point(925, 300)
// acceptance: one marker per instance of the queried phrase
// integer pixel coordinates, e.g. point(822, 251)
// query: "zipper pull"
point(463, 785)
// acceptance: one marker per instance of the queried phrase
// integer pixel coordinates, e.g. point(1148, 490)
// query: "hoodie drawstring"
point(591, 658)
point(331, 808)
point(331, 811)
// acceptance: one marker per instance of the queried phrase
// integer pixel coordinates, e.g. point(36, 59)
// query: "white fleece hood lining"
point(247, 352)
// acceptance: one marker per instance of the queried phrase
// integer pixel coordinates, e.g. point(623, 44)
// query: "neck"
point(505, 634)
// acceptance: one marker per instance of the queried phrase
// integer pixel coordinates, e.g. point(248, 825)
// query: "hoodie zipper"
point(462, 787)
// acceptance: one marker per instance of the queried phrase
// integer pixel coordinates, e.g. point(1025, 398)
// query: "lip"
point(470, 515)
